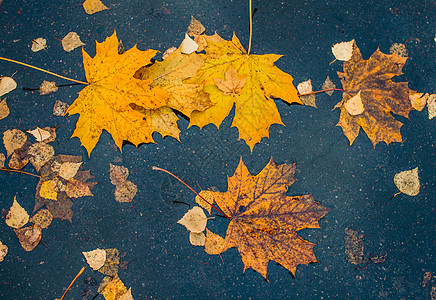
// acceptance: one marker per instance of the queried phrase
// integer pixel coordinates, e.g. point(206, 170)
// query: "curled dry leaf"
point(188, 45)
point(7, 84)
point(29, 237)
point(408, 182)
point(431, 105)
point(4, 109)
point(38, 44)
point(40, 154)
point(47, 87)
point(197, 239)
point(60, 108)
point(124, 192)
point(42, 218)
point(95, 258)
point(194, 220)
point(3, 251)
point(17, 216)
point(118, 174)
point(13, 139)
point(71, 41)
point(39, 134)
point(93, 6)
point(214, 243)
point(343, 51)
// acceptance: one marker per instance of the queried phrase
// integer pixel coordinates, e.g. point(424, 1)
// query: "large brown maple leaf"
point(106, 103)
point(264, 221)
point(374, 96)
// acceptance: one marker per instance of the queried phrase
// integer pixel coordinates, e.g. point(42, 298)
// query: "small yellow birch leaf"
point(13, 139)
point(94, 6)
point(7, 84)
point(69, 169)
point(17, 216)
point(354, 105)
point(214, 243)
point(4, 109)
point(114, 289)
point(95, 258)
point(431, 105)
point(418, 100)
point(39, 134)
point(40, 154)
point(118, 174)
point(38, 44)
point(197, 239)
point(188, 45)
point(48, 190)
point(71, 41)
point(408, 182)
point(42, 218)
point(3, 251)
point(195, 27)
point(124, 192)
point(343, 51)
point(194, 220)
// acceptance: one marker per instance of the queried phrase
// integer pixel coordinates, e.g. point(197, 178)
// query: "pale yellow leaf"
point(431, 105)
point(408, 182)
point(47, 87)
point(197, 239)
point(354, 105)
point(17, 216)
point(95, 258)
point(69, 169)
point(214, 243)
point(7, 84)
point(3, 251)
point(40, 153)
point(13, 139)
point(94, 6)
point(124, 192)
point(42, 218)
point(343, 51)
point(39, 134)
point(38, 44)
point(418, 100)
point(4, 109)
point(194, 220)
point(188, 45)
point(71, 41)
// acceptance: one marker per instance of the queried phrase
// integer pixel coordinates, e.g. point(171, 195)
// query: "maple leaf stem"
point(42, 70)
point(213, 206)
point(251, 26)
point(72, 282)
point(18, 171)
point(316, 92)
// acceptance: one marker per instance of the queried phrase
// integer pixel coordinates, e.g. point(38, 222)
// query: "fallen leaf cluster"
point(106, 261)
point(125, 190)
point(263, 220)
point(60, 180)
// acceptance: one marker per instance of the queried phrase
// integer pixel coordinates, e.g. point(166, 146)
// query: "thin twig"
point(251, 27)
point(42, 70)
point(316, 92)
point(72, 282)
point(18, 171)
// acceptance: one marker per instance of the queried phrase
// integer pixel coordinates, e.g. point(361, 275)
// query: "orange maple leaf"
point(264, 220)
point(105, 103)
point(370, 96)
point(255, 110)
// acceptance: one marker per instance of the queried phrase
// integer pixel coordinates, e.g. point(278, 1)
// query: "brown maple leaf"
point(370, 96)
point(264, 221)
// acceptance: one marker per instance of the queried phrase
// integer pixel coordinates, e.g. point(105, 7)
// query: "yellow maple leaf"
point(255, 110)
point(105, 103)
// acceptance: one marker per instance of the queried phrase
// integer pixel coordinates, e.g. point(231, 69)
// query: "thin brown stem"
point(321, 91)
point(18, 171)
point(72, 282)
point(42, 70)
point(213, 206)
